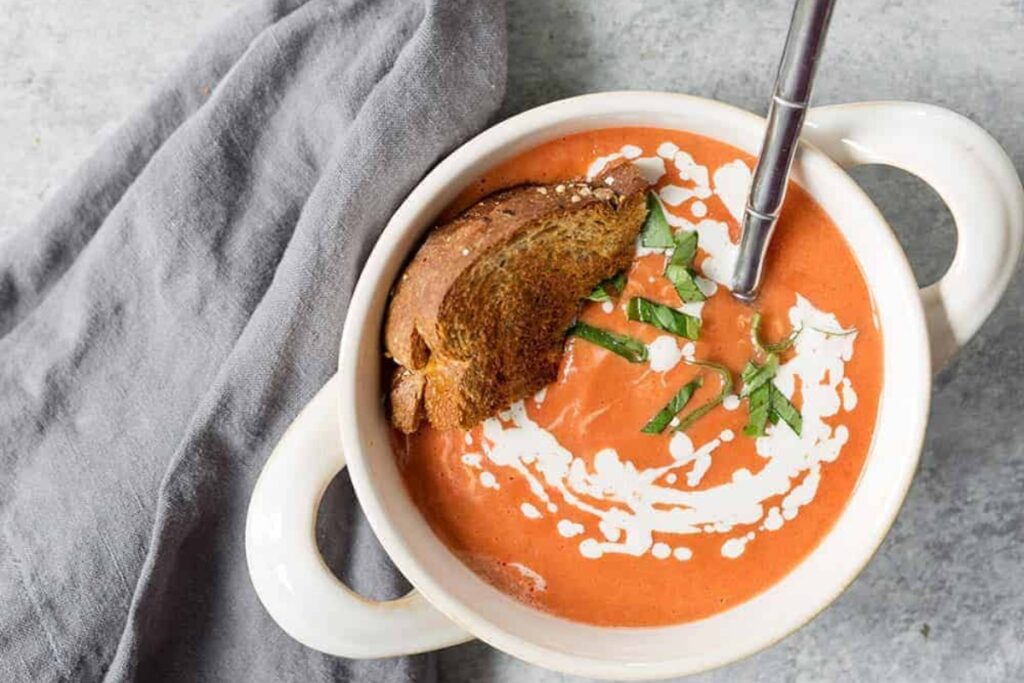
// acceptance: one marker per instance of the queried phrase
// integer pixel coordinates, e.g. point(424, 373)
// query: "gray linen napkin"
point(174, 307)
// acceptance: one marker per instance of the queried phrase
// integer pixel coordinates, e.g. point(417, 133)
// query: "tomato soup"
point(567, 503)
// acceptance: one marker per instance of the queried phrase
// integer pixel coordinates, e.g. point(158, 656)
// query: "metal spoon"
point(804, 43)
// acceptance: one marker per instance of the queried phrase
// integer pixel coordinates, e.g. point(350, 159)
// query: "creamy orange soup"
point(564, 503)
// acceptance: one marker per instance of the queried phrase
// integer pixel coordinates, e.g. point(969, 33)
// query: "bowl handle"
point(973, 176)
point(289, 574)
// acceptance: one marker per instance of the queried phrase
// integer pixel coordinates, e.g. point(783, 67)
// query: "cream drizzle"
point(628, 506)
point(631, 505)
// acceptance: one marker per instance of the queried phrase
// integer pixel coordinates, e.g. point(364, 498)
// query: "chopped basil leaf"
point(781, 407)
point(767, 348)
point(748, 371)
point(663, 317)
point(765, 403)
point(705, 408)
point(660, 421)
point(678, 270)
point(783, 345)
point(754, 376)
point(836, 333)
point(686, 249)
point(758, 407)
point(697, 413)
point(607, 289)
point(722, 371)
point(684, 280)
point(629, 348)
point(755, 332)
point(656, 232)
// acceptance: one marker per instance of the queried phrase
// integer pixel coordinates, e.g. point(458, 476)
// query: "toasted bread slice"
point(478, 318)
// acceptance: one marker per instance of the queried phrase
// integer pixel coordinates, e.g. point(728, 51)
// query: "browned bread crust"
point(478, 318)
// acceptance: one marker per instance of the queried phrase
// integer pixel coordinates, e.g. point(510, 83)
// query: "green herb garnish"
point(663, 317)
point(606, 290)
point(660, 421)
point(679, 271)
point(755, 376)
point(656, 232)
point(685, 282)
point(781, 407)
point(686, 249)
point(765, 403)
point(705, 408)
point(766, 347)
point(758, 407)
point(836, 333)
point(629, 348)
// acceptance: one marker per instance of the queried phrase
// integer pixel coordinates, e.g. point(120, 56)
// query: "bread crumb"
point(585, 191)
point(560, 189)
point(542, 190)
point(575, 198)
point(609, 180)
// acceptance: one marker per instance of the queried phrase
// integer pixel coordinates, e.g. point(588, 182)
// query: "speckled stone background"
point(944, 598)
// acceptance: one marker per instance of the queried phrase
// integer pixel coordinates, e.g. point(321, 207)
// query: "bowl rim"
point(907, 362)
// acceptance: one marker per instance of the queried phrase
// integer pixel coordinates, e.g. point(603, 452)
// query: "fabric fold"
point(175, 306)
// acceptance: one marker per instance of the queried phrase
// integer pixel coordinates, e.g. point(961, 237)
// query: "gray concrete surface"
point(944, 598)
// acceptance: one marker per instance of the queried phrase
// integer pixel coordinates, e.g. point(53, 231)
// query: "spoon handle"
point(785, 119)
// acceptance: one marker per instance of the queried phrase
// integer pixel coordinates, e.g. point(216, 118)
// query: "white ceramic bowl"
point(921, 330)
